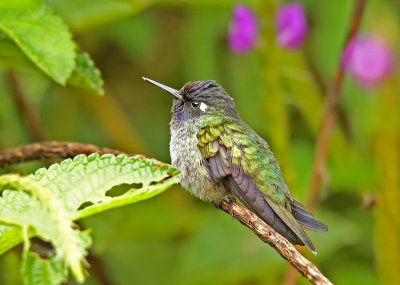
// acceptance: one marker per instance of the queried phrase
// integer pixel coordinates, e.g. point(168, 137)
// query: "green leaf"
point(88, 178)
point(10, 236)
point(49, 271)
point(38, 207)
point(86, 75)
point(50, 200)
point(132, 196)
point(37, 270)
point(41, 35)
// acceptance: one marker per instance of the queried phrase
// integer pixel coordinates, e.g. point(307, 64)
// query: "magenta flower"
point(243, 30)
point(369, 60)
point(291, 25)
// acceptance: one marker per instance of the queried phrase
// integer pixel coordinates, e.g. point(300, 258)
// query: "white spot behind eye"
point(203, 107)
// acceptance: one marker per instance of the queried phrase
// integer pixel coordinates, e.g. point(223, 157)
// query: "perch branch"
point(47, 150)
point(268, 235)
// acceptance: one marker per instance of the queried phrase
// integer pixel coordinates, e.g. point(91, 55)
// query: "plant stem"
point(327, 125)
point(28, 114)
point(330, 114)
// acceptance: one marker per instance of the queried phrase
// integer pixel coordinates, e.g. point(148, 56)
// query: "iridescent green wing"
point(242, 161)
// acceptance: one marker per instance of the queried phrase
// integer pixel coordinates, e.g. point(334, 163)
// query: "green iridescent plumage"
point(221, 157)
point(249, 152)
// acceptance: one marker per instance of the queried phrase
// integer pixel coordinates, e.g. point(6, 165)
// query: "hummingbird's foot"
point(230, 200)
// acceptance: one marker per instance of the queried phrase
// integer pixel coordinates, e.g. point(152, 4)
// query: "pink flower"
point(242, 32)
point(291, 25)
point(368, 59)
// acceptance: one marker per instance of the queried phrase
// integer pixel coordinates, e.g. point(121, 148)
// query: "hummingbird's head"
point(200, 99)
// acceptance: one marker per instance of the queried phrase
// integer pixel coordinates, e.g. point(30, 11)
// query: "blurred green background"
point(175, 238)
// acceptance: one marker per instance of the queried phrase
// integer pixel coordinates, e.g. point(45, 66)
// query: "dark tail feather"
point(255, 201)
point(305, 219)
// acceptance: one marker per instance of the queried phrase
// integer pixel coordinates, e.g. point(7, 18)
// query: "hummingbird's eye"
point(195, 104)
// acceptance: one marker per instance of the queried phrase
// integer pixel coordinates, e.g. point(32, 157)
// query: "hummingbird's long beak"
point(166, 88)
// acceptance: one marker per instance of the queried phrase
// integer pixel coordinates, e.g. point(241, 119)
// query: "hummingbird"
point(221, 157)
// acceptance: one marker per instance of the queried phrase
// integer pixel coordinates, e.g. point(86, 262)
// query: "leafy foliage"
point(37, 270)
point(44, 40)
point(41, 35)
point(49, 201)
point(86, 75)
point(9, 237)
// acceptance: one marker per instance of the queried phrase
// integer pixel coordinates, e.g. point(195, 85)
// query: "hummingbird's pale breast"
point(186, 156)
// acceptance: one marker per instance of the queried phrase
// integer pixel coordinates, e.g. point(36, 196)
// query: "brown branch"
point(327, 125)
point(266, 233)
point(29, 115)
point(330, 113)
point(48, 150)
